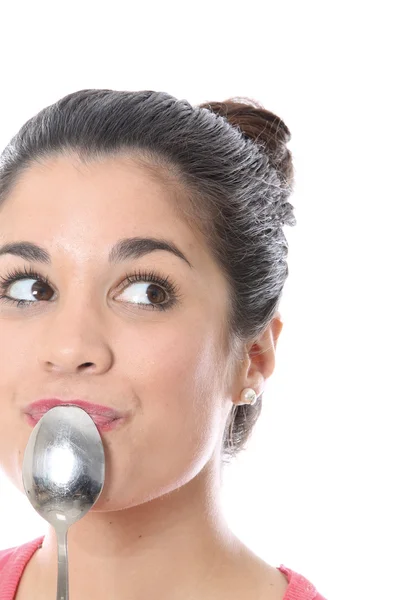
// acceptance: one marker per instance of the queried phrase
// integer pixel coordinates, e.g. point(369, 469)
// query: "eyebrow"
point(124, 249)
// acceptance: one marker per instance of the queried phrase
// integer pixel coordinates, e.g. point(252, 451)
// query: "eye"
point(40, 290)
point(16, 278)
point(150, 293)
point(145, 291)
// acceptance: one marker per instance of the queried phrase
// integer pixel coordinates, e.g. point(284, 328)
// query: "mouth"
point(104, 417)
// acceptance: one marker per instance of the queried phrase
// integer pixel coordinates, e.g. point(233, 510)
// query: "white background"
point(317, 489)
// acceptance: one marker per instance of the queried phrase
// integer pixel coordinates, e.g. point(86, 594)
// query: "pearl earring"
point(248, 396)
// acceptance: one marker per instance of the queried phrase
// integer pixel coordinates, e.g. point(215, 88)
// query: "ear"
point(259, 361)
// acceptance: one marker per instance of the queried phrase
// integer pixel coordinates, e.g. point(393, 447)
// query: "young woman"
point(142, 262)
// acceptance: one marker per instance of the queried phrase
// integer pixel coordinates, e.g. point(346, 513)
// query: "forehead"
point(117, 187)
point(62, 199)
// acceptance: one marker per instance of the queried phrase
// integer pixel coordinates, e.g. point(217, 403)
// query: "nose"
point(74, 343)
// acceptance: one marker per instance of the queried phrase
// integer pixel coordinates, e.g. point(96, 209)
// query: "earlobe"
point(258, 361)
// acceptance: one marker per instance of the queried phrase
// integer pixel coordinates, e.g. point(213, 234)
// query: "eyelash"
point(142, 276)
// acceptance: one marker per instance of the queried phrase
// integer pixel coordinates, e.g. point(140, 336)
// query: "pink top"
point(14, 560)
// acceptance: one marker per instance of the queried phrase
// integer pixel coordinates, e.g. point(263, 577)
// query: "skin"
point(158, 530)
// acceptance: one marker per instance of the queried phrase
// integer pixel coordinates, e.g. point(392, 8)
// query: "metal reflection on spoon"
point(63, 474)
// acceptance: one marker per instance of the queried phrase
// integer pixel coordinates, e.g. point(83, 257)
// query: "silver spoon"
point(63, 474)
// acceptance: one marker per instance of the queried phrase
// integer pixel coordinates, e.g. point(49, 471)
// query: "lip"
point(105, 417)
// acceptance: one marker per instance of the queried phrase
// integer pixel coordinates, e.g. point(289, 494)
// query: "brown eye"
point(156, 294)
point(150, 290)
point(145, 294)
point(39, 291)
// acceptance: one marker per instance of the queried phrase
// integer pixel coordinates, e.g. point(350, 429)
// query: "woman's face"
point(88, 337)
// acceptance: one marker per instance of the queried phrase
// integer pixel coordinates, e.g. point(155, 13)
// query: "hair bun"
point(261, 126)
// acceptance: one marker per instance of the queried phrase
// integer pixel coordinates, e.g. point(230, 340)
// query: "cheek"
point(18, 369)
point(14, 435)
point(177, 367)
point(181, 354)
point(13, 365)
point(177, 389)
point(11, 346)
point(177, 420)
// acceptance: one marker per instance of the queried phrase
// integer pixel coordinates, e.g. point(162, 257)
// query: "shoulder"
point(263, 581)
point(18, 554)
point(275, 584)
point(5, 555)
point(299, 588)
point(254, 579)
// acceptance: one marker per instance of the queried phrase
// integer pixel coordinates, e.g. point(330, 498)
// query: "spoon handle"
point(62, 578)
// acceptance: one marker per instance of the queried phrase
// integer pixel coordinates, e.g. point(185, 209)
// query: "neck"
point(170, 547)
